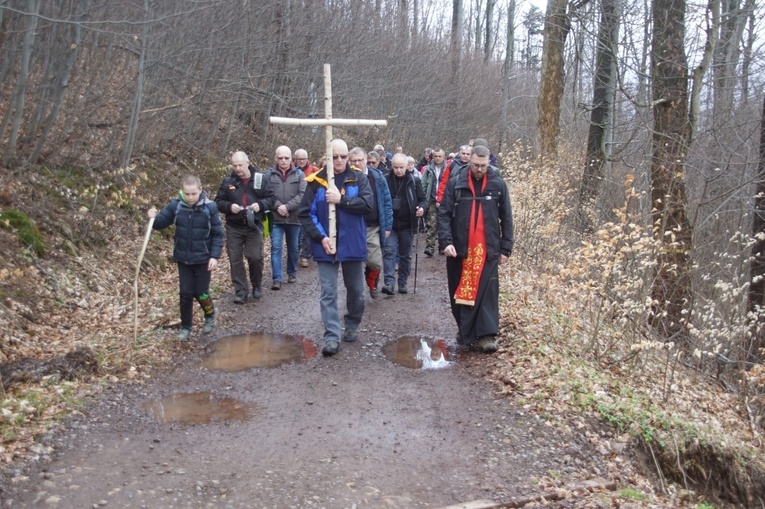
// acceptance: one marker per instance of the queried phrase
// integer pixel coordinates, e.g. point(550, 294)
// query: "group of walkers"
point(381, 202)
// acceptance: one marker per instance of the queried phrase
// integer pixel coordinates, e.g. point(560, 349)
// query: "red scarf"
point(472, 265)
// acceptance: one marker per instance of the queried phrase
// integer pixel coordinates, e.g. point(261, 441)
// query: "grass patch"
point(25, 228)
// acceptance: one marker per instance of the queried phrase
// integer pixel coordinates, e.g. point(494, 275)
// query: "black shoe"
point(351, 335)
point(291, 278)
point(257, 292)
point(240, 299)
point(387, 290)
point(330, 348)
point(402, 289)
point(277, 285)
point(429, 253)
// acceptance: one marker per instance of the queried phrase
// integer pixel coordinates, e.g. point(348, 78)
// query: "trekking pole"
point(135, 282)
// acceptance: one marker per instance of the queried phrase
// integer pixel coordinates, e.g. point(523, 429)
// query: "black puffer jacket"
point(198, 230)
point(232, 189)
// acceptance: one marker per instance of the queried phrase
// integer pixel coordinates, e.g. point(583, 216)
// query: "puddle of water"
point(417, 353)
point(196, 408)
point(235, 353)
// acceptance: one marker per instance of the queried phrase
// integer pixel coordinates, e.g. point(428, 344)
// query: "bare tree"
point(507, 68)
point(557, 26)
point(601, 116)
point(17, 106)
point(756, 295)
point(138, 98)
point(712, 30)
point(455, 46)
point(489, 39)
point(671, 291)
point(746, 64)
point(62, 82)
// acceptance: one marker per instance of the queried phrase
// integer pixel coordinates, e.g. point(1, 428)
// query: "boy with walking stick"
point(198, 245)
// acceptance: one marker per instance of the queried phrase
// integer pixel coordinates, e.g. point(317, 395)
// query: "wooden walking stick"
point(328, 122)
point(137, 272)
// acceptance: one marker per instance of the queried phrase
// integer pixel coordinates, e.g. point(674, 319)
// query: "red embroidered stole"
point(472, 265)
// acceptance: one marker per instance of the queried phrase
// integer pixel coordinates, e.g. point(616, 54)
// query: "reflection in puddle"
point(417, 353)
point(235, 353)
point(196, 408)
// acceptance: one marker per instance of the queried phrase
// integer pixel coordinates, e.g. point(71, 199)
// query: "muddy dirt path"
point(354, 430)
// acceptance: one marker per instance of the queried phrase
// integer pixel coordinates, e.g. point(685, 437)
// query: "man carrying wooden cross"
point(352, 197)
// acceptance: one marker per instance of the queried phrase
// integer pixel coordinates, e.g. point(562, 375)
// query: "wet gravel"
point(354, 430)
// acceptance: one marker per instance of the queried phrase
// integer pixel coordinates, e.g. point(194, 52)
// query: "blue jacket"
point(351, 228)
point(384, 204)
point(198, 230)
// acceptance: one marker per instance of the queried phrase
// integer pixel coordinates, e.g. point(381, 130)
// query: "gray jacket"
point(288, 191)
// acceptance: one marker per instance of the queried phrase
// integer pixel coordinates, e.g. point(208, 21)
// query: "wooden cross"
point(328, 122)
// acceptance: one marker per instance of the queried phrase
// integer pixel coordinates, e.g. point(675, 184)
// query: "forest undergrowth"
point(577, 348)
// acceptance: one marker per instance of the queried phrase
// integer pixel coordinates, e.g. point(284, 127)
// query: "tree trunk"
point(601, 116)
point(756, 294)
point(63, 82)
point(456, 36)
point(746, 64)
point(489, 40)
point(507, 68)
point(137, 101)
point(21, 83)
point(557, 26)
point(732, 23)
point(713, 24)
point(671, 291)
point(478, 27)
point(403, 20)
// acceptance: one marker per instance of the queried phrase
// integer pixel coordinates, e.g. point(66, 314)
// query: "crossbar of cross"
point(327, 122)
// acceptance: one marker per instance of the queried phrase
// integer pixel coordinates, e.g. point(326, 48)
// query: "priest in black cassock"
point(475, 231)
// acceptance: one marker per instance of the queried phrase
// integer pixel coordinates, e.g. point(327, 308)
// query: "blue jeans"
point(353, 277)
point(398, 243)
point(292, 233)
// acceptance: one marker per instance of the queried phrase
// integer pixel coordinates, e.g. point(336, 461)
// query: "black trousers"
point(193, 282)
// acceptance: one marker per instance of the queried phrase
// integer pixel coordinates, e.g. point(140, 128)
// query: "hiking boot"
point(276, 285)
point(429, 253)
point(257, 292)
point(374, 293)
point(331, 347)
point(184, 335)
point(387, 290)
point(291, 278)
point(402, 288)
point(240, 299)
point(351, 335)
point(209, 324)
point(487, 344)
point(304, 262)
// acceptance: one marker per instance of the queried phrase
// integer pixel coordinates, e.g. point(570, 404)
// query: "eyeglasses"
point(284, 158)
point(340, 156)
